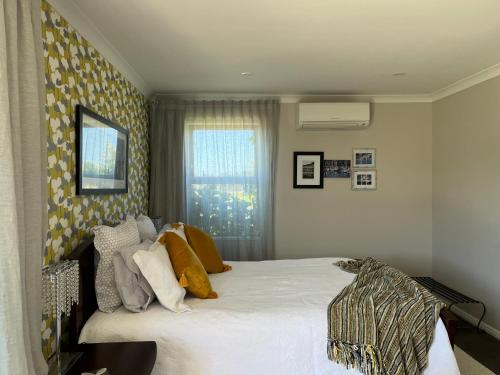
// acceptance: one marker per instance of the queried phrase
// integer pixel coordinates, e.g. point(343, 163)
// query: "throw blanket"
point(383, 322)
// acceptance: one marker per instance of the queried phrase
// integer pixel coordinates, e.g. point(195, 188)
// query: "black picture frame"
point(320, 177)
point(82, 111)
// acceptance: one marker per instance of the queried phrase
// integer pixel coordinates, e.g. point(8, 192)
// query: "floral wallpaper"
point(75, 73)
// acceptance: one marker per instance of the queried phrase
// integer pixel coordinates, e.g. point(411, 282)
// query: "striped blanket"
point(383, 322)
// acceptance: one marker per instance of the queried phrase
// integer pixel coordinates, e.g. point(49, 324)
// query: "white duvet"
point(270, 318)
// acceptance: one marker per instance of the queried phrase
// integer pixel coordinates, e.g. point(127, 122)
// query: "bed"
point(270, 318)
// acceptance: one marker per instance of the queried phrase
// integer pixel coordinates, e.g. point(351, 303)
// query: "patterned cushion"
point(107, 240)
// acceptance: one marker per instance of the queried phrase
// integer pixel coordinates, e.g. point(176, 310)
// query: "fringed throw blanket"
point(383, 322)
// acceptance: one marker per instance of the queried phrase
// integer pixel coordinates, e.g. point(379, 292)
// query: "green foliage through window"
point(224, 210)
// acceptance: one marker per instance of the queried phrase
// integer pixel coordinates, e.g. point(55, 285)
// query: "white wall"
point(393, 223)
point(466, 189)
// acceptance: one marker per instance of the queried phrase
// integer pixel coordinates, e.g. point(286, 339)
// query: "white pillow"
point(147, 229)
point(107, 240)
point(155, 266)
point(165, 228)
point(179, 231)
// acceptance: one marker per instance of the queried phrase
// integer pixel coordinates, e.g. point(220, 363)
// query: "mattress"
point(270, 318)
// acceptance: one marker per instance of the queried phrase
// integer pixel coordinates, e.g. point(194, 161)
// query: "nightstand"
point(120, 358)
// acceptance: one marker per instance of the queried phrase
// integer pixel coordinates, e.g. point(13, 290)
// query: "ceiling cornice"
point(291, 98)
point(365, 98)
point(84, 25)
point(465, 83)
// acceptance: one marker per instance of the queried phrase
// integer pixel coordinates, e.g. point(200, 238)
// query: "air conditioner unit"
point(331, 116)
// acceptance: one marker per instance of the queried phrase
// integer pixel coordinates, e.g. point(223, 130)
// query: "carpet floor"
point(468, 365)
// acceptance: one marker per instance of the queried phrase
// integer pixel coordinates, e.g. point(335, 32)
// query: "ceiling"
point(301, 46)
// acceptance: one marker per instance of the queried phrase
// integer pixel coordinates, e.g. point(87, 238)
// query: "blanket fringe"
point(365, 358)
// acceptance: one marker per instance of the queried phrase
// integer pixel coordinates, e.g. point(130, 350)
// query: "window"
point(228, 170)
point(222, 179)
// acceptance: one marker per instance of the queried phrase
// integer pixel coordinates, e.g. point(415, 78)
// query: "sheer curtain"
point(23, 183)
point(230, 149)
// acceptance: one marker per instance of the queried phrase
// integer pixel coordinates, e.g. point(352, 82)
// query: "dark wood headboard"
point(85, 254)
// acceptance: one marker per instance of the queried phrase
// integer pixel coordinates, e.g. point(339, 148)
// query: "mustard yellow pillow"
point(187, 266)
point(206, 250)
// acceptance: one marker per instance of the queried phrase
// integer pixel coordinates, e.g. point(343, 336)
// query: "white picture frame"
point(364, 179)
point(363, 158)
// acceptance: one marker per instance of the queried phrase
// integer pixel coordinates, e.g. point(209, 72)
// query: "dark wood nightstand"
point(120, 358)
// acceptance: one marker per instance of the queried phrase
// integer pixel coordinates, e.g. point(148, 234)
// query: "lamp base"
point(60, 365)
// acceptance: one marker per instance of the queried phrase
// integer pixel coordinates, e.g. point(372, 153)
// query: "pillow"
point(177, 228)
point(156, 268)
point(107, 240)
point(147, 229)
point(135, 292)
point(165, 228)
point(187, 266)
point(206, 250)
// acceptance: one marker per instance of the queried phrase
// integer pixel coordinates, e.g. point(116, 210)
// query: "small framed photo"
point(363, 158)
point(337, 168)
point(364, 180)
point(308, 170)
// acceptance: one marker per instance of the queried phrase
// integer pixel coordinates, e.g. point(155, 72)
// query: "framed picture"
point(337, 168)
point(363, 158)
point(364, 180)
point(308, 170)
point(101, 154)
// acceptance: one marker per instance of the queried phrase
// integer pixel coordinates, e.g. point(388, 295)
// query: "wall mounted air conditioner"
point(332, 116)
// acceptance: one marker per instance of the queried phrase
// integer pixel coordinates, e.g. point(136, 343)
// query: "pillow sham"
point(157, 269)
point(147, 230)
point(135, 292)
point(177, 228)
point(165, 228)
point(107, 240)
point(186, 265)
point(206, 250)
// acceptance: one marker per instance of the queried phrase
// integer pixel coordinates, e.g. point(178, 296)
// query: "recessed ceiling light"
point(246, 74)
point(399, 74)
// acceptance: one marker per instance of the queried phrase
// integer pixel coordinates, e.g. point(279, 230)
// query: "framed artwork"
point(337, 168)
point(308, 170)
point(364, 180)
point(363, 158)
point(101, 154)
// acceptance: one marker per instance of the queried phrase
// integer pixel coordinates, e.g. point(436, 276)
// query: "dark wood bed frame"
point(85, 254)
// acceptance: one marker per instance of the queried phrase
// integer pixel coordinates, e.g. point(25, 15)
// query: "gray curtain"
point(23, 183)
point(167, 185)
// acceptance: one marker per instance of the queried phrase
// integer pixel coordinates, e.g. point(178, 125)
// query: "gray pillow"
point(135, 291)
point(147, 229)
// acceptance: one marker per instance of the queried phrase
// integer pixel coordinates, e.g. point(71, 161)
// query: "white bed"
point(270, 318)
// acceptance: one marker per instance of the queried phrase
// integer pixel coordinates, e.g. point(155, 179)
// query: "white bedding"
point(270, 318)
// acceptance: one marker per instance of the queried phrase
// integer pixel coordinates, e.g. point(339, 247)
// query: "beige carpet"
point(468, 365)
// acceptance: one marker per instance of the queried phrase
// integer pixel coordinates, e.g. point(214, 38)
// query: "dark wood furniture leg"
point(450, 322)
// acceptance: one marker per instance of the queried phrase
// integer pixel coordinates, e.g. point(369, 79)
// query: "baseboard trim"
point(473, 320)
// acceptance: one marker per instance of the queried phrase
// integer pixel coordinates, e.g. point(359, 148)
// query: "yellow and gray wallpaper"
point(75, 73)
